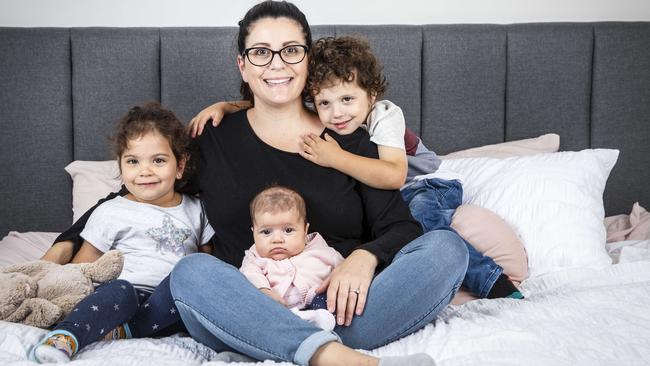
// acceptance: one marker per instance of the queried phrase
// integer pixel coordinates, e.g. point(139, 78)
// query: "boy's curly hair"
point(345, 58)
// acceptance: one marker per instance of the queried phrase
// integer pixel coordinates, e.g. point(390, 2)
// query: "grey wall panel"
point(36, 124)
point(549, 82)
point(198, 68)
point(463, 81)
point(621, 110)
point(112, 70)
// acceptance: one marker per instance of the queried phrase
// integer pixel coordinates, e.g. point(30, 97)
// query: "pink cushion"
point(542, 144)
point(492, 236)
point(24, 247)
point(635, 226)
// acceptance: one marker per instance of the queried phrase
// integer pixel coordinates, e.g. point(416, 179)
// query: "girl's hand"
point(319, 151)
point(216, 112)
point(355, 273)
point(274, 295)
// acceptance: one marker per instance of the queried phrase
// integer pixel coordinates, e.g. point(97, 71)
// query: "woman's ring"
point(356, 291)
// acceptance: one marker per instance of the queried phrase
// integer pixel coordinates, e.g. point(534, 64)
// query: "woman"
point(391, 283)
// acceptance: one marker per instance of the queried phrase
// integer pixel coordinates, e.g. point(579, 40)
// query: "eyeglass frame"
point(273, 53)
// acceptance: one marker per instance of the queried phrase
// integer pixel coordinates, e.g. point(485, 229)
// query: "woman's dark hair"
point(152, 117)
point(268, 9)
point(335, 59)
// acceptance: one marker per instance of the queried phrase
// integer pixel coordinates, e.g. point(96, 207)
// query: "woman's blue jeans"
point(222, 310)
point(433, 202)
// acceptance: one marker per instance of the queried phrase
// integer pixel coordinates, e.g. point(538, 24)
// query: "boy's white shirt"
point(386, 125)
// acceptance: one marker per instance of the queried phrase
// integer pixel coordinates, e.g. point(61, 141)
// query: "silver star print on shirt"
point(169, 238)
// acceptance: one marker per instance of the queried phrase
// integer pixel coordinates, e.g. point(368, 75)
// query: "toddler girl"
point(152, 225)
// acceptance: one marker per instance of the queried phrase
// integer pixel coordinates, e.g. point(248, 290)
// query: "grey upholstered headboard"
point(62, 90)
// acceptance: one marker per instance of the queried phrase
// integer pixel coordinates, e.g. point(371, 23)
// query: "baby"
point(285, 262)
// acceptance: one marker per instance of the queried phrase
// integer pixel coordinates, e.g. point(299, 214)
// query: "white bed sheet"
point(573, 317)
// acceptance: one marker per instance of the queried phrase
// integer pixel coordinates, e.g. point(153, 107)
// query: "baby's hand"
point(319, 151)
point(274, 295)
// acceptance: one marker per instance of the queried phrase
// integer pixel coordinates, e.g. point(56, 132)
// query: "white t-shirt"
point(386, 125)
point(152, 238)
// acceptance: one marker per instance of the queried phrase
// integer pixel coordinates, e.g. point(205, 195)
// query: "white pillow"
point(91, 181)
point(553, 201)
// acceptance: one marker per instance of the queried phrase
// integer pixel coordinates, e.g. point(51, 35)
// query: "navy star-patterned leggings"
point(117, 302)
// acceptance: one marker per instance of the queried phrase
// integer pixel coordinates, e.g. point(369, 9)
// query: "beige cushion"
point(91, 181)
point(492, 236)
point(543, 144)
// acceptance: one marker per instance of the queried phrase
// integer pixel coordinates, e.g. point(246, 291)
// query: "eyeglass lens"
point(262, 56)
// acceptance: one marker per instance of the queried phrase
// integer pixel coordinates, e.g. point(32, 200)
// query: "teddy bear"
point(41, 293)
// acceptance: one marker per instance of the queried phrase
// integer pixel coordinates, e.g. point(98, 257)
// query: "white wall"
point(123, 13)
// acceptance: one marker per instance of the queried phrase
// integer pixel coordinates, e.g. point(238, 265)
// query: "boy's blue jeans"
point(433, 202)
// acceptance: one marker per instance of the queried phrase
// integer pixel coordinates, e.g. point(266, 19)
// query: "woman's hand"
point(215, 112)
point(355, 273)
point(319, 151)
point(274, 295)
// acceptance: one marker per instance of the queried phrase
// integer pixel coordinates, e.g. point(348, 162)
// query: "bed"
point(499, 89)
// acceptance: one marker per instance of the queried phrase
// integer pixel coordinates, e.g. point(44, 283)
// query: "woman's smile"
point(278, 81)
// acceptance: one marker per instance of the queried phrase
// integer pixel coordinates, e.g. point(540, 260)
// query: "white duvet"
point(572, 317)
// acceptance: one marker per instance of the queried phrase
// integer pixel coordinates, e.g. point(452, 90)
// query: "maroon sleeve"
point(411, 142)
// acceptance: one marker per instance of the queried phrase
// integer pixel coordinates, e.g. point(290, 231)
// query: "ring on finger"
point(356, 291)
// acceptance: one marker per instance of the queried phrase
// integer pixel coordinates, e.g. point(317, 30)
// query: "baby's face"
point(279, 235)
point(343, 106)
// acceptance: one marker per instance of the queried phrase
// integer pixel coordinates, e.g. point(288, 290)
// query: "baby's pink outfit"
point(297, 278)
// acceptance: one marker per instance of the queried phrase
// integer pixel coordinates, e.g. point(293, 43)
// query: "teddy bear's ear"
point(107, 267)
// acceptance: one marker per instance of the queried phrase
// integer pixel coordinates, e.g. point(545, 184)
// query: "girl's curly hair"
point(346, 58)
point(153, 117)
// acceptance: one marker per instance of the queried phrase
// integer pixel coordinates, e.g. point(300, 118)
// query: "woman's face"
point(278, 82)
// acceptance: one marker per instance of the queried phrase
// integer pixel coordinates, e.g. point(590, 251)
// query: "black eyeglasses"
point(262, 56)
